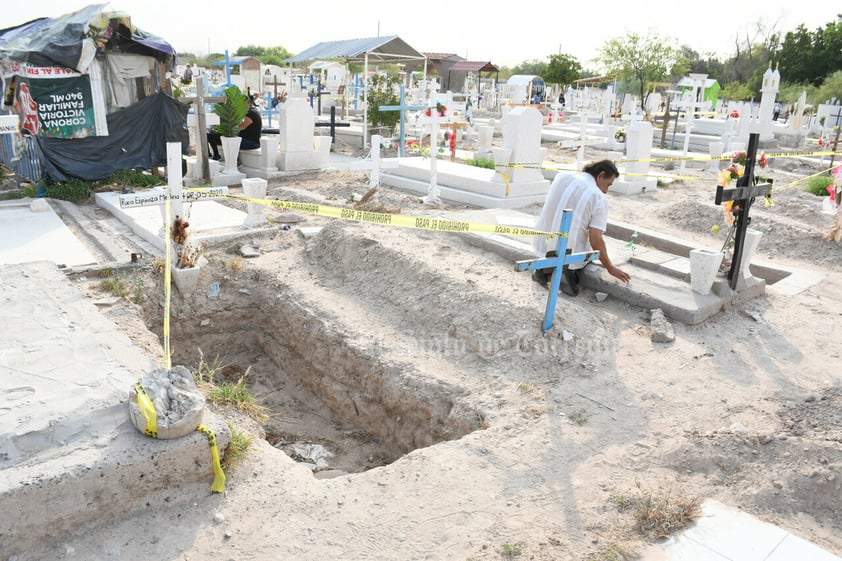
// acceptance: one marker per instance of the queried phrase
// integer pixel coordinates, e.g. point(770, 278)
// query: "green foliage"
point(809, 56)
point(115, 285)
point(487, 163)
point(73, 190)
point(831, 87)
point(789, 92)
point(511, 549)
point(383, 91)
point(562, 69)
point(647, 60)
point(231, 111)
point(135, 178)
point(266, 55)
point(531, 67)
point(817, 184)
point(736, 91)
point(237, 447)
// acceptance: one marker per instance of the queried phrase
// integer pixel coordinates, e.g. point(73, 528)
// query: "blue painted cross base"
point(557, 263)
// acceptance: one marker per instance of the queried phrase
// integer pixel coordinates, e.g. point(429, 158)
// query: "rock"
point(600, 296)
point(179, 405)
point(662, 331)
point(249, 250)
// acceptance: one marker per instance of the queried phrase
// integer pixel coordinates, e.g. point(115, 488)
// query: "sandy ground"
point(506, 442)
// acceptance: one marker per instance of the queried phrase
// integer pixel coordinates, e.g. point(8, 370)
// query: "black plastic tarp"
point(138, 139)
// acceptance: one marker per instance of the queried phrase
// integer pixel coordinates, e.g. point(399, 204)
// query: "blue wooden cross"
point(557, 263)
point(227, 65)
point(403, 108)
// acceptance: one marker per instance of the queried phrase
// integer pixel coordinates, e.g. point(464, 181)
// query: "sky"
point(503, 33)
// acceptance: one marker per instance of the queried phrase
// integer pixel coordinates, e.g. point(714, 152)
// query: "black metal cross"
point(333, 124)
point(743, 196)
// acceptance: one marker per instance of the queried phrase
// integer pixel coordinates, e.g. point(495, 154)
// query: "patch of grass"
point(659, 514)
point(578, 417)
point(487, 163)
point(73, 190)
point(237, 448)
point(612, 551)
point(115, 285)
point(817, 184)
point(511, 549)
point(227, 394)
point(135, 178)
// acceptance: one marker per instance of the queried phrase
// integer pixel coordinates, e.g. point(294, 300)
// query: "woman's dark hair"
point(601, 166)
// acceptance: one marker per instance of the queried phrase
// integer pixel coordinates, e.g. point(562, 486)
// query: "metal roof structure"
point(384, 50)
point(473, 66)
point(389, 50)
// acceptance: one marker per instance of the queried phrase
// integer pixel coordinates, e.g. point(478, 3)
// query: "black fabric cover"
point(138, 137)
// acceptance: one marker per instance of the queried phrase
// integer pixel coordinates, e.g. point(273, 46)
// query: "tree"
point(381, 92)
point(531, 67)
point(562, 69)
point(643, 59)
point(266, 55)
point(736, 91)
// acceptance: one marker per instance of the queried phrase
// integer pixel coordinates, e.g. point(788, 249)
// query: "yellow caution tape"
point(147, 409)
point(218, 485)
point(397, 220)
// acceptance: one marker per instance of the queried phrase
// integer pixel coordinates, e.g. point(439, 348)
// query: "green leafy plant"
point(487, 163)
point(381, 92)
point(231, 111)
point(511, 549)
point(817, 184)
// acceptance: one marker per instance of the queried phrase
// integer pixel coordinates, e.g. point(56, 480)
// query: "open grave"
point(341, 398)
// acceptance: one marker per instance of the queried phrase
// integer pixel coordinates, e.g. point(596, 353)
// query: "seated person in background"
point(250, 129)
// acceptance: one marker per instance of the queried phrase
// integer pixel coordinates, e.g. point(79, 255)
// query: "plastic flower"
point(734, 114)
point(441, 110)
point(728, 208)
point(413, 145)
point(734, 171)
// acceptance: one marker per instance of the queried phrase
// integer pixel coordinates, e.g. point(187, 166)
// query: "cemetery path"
point(743, 409)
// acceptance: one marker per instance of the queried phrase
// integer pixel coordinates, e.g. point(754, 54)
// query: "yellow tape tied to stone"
point(218, 485)
point(147, 408)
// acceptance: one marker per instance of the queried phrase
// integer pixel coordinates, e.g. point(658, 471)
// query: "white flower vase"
point(186, 279)
point(750, 243)
point(255, 188)
point(231, 151)
point(704, 266)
